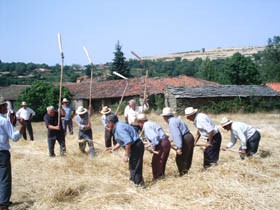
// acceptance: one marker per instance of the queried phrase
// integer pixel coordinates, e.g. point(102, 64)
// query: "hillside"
point(211, 53)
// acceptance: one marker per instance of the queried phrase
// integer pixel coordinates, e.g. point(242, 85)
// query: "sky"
point(29, 28)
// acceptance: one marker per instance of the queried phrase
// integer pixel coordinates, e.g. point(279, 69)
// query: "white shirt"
point(205, 125)
point(241, 131)
point(6, 133)
point(25, 113)
point(132, 114)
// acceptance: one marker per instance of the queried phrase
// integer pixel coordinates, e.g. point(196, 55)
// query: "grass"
point(79, 182)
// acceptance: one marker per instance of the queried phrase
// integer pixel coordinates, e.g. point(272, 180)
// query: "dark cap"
point(112, 118)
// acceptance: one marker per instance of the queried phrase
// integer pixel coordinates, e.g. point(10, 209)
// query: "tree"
point(120, 64)
point(40, 95)
point(241, 70)
point(207, 70)
point(270, 60)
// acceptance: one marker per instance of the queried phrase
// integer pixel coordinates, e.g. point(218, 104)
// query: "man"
point(158, 142)
point(208, 130)
point(85, 132)
point(25, 115)
point(6, 132)
point(128, 138)
point(69, 114)
point(248, 135)
point(55, 130)
point(133, 111)
point(182, 138)
point(106, 111)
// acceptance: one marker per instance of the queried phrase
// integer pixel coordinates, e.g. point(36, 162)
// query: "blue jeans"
point(5, 178)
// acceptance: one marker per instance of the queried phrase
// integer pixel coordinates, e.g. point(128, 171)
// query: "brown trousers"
point(184, 161)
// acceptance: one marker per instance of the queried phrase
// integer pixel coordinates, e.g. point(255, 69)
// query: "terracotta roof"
point(274, 85)
point(114, 88)
point(11, 92)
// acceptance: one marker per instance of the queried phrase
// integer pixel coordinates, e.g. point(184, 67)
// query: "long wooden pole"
point(145, 79)
point(91, 78)
point(126, 86)
point(61, 75)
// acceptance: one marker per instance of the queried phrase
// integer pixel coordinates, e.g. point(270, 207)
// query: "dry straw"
point(80, 182)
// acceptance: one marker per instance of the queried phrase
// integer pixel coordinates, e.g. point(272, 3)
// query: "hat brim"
point(82, 112)
point(2, 103)
point(227, 123)
point(102, 112)
point(192, 113)
point(167, 114)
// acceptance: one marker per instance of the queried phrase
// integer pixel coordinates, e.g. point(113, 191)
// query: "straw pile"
point(79, 182)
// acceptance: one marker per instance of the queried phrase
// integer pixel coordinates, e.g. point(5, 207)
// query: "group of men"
point(134, 135)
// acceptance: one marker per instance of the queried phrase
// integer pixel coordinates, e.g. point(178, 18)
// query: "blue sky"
point(28, 28)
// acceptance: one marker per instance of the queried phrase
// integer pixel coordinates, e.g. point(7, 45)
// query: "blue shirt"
point(6, 133)
point(68, 111)
point(177, 129)
point(124, 133)
point(153, 132)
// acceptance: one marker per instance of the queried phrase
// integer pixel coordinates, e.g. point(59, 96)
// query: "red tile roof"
point(114, 88)
point(274, 85)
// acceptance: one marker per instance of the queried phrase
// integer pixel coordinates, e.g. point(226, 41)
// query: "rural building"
point(274, 85)
point(208, 96)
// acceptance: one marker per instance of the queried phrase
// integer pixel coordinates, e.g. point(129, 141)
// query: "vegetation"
point(40, 95)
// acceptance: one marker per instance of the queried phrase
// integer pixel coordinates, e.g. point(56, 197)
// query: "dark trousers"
point(159, 160)
point(253, 144)
point(108, 138)
point(184, 161)
point(86, 134)
point(29, 129)
point(136, 162)
point(51, 143)
point(211, 153)
point(5, 178)
point(69, 124)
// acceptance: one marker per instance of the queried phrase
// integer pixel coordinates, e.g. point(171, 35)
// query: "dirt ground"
point(77, 181)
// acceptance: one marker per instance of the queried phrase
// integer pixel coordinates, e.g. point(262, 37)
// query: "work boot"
point(91, 152)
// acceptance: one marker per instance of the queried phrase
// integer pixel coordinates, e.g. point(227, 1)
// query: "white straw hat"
point(142, 117)
point(105, 110)
point(2, 100)
point(81, 110)
point(190, 111)
point(167, 111)
point(225, 121)
point(65, 100)
point(23, 103)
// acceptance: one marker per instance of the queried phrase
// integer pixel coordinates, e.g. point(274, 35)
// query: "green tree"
point(120, 64)
point(270, 60)
point(40, 95)
point(241, 70)
point(207, 70)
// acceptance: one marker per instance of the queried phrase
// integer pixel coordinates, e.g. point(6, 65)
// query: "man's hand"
point(179, 151)
point(224, 148)
point(208, 145)
point(125, 158)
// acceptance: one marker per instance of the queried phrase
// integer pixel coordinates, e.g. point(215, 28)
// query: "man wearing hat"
point(248, 135)
point(69, 114)
point(132, 112)
point(25, 115)
point(6, 132)
point(183, 139)
point(158, 142)
point(128, 138)
point(106, 111)
point(85, 132)
point(55, 130)
point(208, 130)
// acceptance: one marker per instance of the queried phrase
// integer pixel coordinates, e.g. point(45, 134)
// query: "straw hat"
point(81, 110)
point(142, 117)
point(2, 100)
point(105, 110)
point(65, 100)
point(167, 111)
point(23, 103)
point(225, 121)
point(190, 111)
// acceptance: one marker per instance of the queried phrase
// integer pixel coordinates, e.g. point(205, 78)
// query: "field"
point(79, 182)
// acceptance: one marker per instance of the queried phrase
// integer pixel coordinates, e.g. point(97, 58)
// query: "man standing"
point(55, 131)
point(106, 111)
point(69, 114)
point(85, 132)
point(158, 142)
point(6, 132)
point(133, 111)
point(248, 135)
point(208, 130)
point(128, 138)
point(182, 138)
point(25, 115)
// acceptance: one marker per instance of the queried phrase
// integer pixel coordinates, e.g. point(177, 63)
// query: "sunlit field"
point(77, 181)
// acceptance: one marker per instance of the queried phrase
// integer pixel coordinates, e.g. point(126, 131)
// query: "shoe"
point(52, 155)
